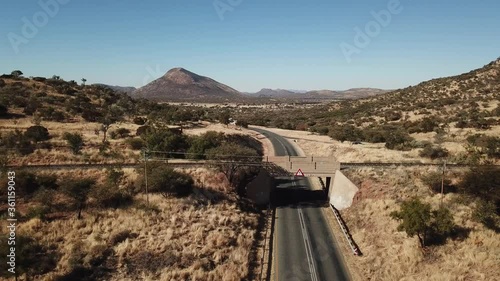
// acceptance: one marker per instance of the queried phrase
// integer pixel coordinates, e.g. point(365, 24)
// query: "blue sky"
point(288, 44)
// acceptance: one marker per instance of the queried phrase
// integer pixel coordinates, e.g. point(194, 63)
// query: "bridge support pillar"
point(328, 184)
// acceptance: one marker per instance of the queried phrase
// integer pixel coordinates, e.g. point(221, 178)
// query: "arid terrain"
point(387, 253)
point(102, 224)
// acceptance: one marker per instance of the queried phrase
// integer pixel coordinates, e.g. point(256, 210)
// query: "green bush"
point(4, 111)
point(399, 140)
point(135, 143)
point(142, 130)
point(434, 152)
point(26, 183)
point(345, 133)
point(242, 123)
point(110, 196)
point(417, 219)
point(168, 182)
point(75, 141)
point(485, 212)
point(140, 121)
point(18, 141)
point(37, 133)
point(166, 140)
point(120, 133)
point(200, 144)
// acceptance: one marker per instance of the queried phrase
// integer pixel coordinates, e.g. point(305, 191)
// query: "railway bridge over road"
point(304, 246)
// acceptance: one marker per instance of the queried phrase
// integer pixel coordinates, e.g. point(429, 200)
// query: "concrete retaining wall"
point(342, 191)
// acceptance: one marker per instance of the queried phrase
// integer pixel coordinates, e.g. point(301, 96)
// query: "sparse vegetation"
point(75, 141)
point(417, 219)
point(168, 182)
point(37, 133)
point(230, 159)
point(78, 190)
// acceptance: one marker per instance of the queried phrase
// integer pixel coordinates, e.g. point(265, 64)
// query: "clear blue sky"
point(288, 44)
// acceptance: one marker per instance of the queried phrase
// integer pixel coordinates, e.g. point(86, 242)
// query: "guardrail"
point(347, 236)
point(343, 226)
point(269, 225)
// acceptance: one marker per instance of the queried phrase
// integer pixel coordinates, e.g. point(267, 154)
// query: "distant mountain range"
point(355, 93)
point(181, 85)
point(127, 90)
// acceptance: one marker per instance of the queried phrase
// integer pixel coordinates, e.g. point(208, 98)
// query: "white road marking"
point(307, 244)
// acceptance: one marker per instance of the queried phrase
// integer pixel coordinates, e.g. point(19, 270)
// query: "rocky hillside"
point(460, 113)
point(181, 85)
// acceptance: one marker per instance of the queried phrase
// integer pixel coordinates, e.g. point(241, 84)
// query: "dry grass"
point(313, 144)
point(61, 154)
point(191, 238)
point(391, 255)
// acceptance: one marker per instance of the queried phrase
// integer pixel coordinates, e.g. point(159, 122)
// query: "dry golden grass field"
point(205, 236)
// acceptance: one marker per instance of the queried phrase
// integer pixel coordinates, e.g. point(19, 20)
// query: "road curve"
point(305, 248)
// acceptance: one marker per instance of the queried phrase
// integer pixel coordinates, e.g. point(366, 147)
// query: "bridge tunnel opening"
point(294, 192)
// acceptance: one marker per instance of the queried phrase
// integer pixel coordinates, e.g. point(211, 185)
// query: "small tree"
point(418, 219)
point(230, 158)
point(415, 218)
point(17, 73)
point(164, 139)
point(224, 117)
point(75, 142)
point(83, 81)
point(78, 190)
point(112, 115)
point(443, 224)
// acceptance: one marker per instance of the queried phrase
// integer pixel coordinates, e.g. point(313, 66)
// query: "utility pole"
point(146, 175)
point(442, 182)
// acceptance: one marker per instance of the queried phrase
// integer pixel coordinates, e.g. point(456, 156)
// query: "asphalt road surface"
point(305, 248)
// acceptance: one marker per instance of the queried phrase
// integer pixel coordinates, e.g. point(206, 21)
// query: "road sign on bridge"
point(299, 173)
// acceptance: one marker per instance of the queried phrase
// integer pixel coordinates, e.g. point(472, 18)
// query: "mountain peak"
point(183, 76)
point(180, 84)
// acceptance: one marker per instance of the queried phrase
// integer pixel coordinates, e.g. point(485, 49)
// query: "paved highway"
point(305, 248)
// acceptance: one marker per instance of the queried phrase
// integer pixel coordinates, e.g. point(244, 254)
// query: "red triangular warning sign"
point(299, 173)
